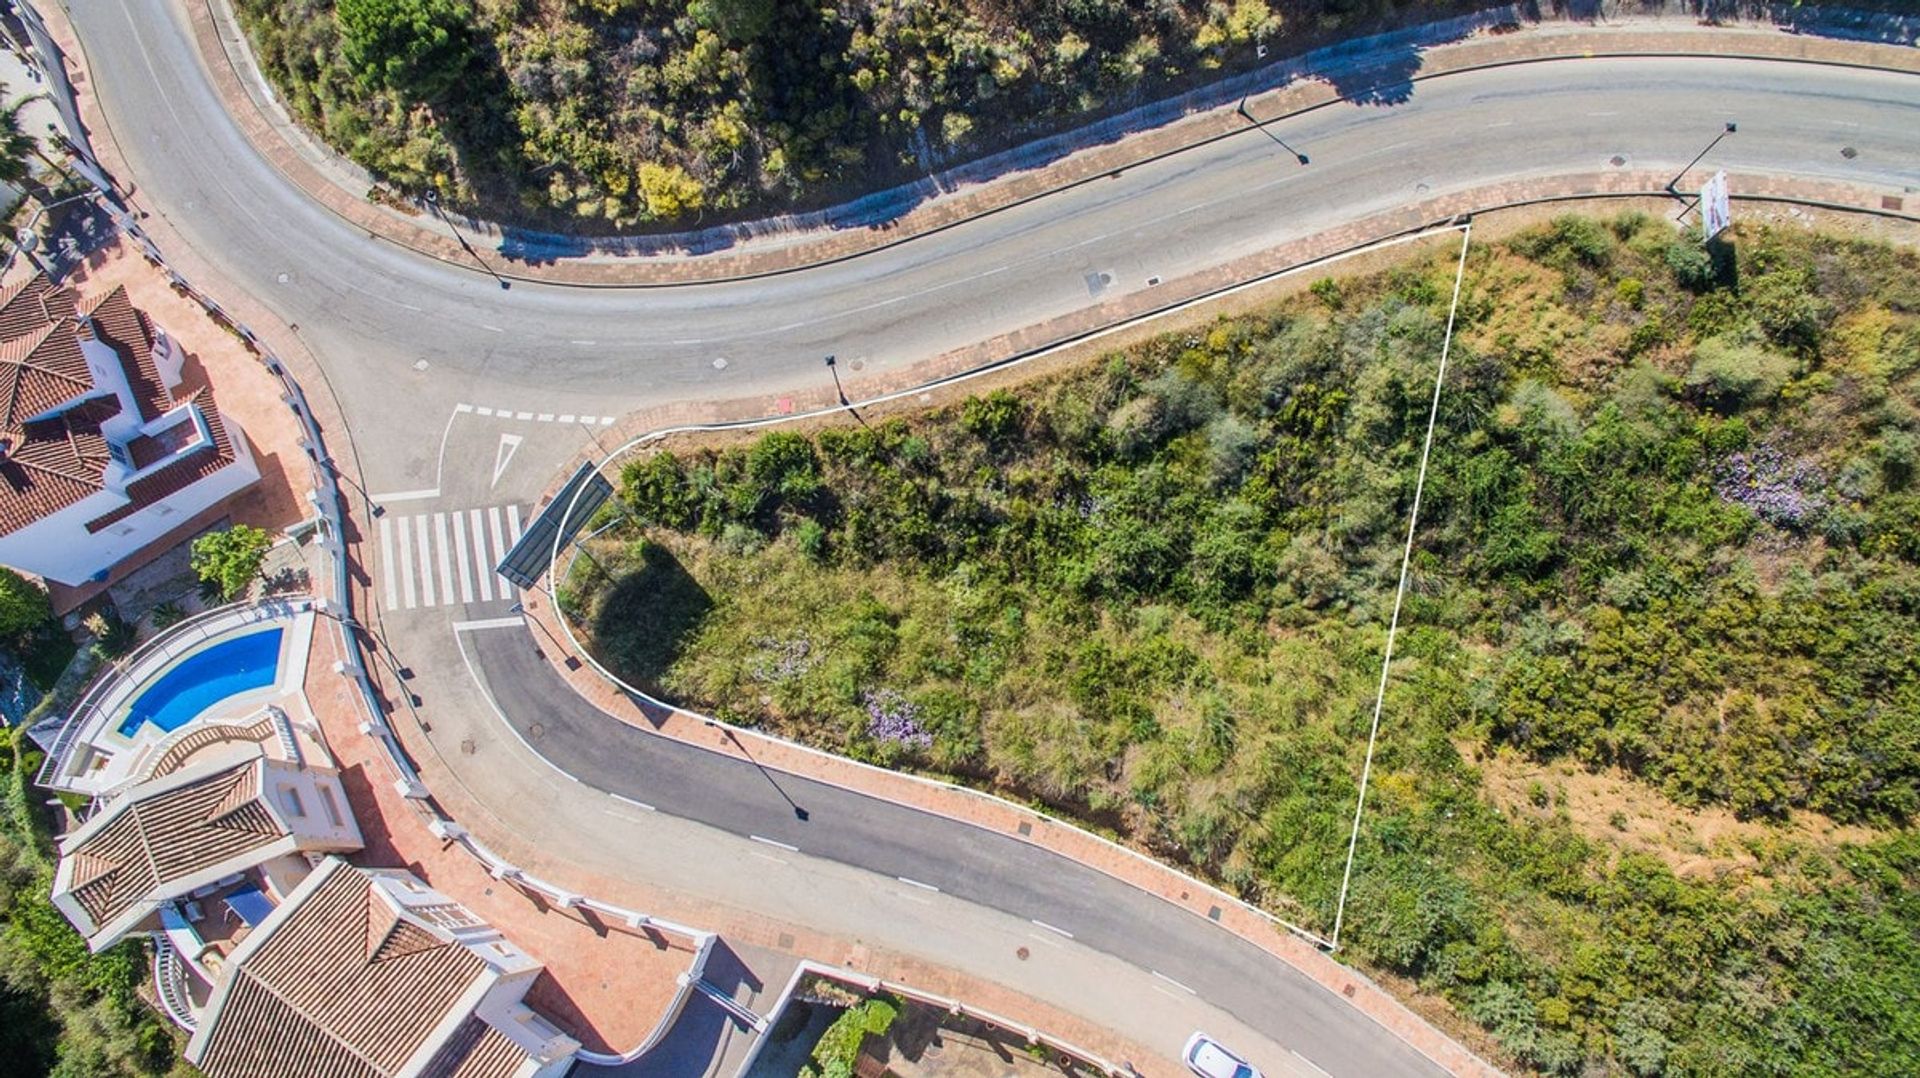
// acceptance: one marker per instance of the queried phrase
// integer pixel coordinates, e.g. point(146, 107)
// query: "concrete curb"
point(1480, 49)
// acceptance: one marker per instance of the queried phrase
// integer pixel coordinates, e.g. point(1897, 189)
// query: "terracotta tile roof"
point(343, 987)
point(182, 473)
point(28, 304)
point(126, 329)
point(50, 464)
point(477, 1050)
point(40, 370)
point(144, 841)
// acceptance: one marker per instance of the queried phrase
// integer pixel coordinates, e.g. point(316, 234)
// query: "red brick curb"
point(1542, 43)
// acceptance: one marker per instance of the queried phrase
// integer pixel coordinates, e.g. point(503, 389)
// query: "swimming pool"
point(205, 678)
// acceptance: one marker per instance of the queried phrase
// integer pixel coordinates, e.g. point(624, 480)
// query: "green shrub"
point(838, 1049)
point(24, 605)
point(229, 561)
point(1731, 374)
point(418, 47)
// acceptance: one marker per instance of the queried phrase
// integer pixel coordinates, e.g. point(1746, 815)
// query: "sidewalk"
point(1486, 47)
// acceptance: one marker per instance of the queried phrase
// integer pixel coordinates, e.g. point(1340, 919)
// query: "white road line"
point(1051, 928)
point(606, 421)
point(543, 417)
point(481, 561)
point(630, 801)
point(405, 566)
point(446, 557)
point(771, 842)
point(1173, 982)
point(460, 555)
point(582, 342)
point(404, 496)
point(500, 547)
point(489, 623)
point(491, 329)
point(564, 419)
point(523, 415)
point(1310, 1064)
point(387, 567)
point(513, 524)
point(426, 565)
point(484, 411)
point(463, 407)
point(917, 883)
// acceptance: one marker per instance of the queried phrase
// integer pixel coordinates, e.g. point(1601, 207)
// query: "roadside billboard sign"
point(1715, 211)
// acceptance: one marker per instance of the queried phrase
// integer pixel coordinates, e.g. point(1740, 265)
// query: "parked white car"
point(1209, 1058)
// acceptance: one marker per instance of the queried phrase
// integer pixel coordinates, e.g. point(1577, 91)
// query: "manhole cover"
point(858, 364)
point(421, 364)
point(1098, 282)
point(1023, 954)
point(467, 747)
point(1849, 152)
point(1616, 161)
point(720, 364)
point(537, 730)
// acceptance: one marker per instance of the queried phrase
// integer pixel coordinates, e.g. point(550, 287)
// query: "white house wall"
point(60, 548)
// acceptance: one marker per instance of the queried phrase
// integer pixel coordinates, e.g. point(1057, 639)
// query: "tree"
point(231, 560)
point(415, 47)
point(736, 20)
point(670, 191)
point(23, 604)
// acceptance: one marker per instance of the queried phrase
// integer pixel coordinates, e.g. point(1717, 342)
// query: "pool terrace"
point(198, 683)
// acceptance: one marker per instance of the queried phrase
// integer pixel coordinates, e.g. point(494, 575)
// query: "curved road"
point(405, 338)
point(374, 311)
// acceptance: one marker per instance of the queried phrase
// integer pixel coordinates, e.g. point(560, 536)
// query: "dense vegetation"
point(1671, 531)
point(63, 1012)
point(615, 114)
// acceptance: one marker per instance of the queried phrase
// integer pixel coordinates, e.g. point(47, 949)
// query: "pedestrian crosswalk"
point(443, 559)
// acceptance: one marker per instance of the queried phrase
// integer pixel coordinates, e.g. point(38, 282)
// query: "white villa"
point(216, 833)
point(193, 831)
point(98, 459)
point(370, 973)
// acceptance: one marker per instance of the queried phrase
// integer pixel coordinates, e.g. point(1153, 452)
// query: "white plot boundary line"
point(1400, 592)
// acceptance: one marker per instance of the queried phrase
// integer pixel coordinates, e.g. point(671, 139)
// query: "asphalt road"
point(403, 338)
point(374, 311)
point(965, 862)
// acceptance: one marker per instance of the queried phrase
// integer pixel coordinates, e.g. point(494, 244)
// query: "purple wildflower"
point(1778, 488)
point(892, 717)
point(782, 660)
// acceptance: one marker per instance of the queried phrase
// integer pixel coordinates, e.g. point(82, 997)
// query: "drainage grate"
point(1026, 828)
point(1891, 202)
point(1213, 913)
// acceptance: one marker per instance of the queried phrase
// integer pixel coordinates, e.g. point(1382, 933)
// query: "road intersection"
point(464, 399)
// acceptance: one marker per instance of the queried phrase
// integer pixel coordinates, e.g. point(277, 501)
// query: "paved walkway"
point(221, 45)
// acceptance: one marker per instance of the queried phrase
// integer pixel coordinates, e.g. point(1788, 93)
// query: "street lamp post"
point(841, 393)
point(1678, 176)
point(433, 202)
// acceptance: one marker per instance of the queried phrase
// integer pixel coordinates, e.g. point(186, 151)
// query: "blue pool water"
point(205, 678)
